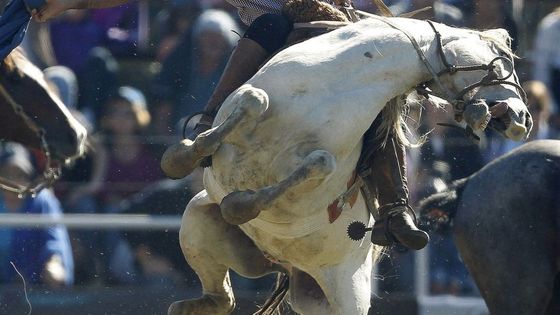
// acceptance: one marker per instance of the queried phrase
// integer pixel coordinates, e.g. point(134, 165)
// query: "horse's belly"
point(324, 244)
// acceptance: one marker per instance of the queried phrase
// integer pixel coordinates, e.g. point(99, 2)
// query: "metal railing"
point(426, 304)
point(93, 221)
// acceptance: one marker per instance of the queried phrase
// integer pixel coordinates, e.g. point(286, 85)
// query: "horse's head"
point(480, 81)
point(43, 122)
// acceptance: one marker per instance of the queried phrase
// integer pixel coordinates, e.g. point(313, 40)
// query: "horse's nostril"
point(498, 109)
point(528, 122)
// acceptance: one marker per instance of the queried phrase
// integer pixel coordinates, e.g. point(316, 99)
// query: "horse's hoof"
point(204, 305)
point(179, 160)
point(239, 207)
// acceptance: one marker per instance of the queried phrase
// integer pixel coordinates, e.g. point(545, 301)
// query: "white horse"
point(285, 146)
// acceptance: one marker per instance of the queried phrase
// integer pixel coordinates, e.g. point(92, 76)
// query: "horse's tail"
point(438, 210)
point(272, 304)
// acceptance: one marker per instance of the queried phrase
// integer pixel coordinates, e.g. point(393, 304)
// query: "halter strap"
point(425, 61)
point(51, 172)
point(490, 79)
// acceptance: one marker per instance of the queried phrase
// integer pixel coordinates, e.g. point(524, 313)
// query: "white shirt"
point(249, 10)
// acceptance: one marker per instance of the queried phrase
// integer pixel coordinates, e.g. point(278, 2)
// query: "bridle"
point(491, 77)
point(52, 170)
point(457, 100)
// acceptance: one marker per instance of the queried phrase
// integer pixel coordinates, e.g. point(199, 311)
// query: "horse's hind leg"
point(242, 206)
point(510, 286)
point(341, 289)
point(212, 246)
point(181, 159)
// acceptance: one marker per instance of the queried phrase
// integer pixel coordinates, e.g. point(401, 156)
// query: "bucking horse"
point(280, 193)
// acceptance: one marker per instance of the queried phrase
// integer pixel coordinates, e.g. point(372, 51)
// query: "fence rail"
point(93, 221)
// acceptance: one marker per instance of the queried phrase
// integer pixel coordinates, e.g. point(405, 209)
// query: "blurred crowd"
point(132, 73)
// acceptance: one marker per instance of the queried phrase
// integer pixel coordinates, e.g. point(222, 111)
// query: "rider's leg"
point(384, 172)
point(264, 36)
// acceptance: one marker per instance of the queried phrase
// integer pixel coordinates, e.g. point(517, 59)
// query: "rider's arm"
point(53, 8)
point(97, 4)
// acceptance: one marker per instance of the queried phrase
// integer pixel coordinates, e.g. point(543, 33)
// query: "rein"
point(51, 172)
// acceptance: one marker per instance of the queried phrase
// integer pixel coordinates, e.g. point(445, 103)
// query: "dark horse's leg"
point(554, 305)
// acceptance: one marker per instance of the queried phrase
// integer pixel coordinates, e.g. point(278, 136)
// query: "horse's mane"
point(499, 38)
point(394, 121)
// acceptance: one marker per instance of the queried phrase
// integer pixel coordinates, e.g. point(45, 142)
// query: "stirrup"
point(394, 209)
point(206, 120)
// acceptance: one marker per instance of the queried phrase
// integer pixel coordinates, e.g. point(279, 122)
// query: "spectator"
point(215, 34)
point(84, 179)
point(449, 145)
point(174, 21)
point(157, 253)
point(119, 26)
point(81, 181)
point(172, 80)
point(97, 82)
point(63, 80)
point(538, 101)
point(547, 62)
point(73, 35)
point(448, 275)
point(43, 256)
point(131, 166)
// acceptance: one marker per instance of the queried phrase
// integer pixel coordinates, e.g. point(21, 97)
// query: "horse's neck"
point(394, 65)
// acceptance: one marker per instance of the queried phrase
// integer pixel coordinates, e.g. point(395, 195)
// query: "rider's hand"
point(53, 8)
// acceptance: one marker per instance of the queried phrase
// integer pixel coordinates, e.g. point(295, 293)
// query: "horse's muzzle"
point(511, 118)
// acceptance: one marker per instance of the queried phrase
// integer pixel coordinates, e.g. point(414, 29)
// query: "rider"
point(382, 165)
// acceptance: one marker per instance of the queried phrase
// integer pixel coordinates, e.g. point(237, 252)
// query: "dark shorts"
point(270, 31)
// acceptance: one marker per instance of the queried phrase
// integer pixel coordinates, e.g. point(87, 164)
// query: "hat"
point(134, 96)
point(66, 83)
point(15, 154)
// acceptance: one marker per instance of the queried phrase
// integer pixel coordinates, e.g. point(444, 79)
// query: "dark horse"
point(506, 225)
point(33, 115)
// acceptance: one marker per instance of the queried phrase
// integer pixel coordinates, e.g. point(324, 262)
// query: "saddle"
point(313, 18)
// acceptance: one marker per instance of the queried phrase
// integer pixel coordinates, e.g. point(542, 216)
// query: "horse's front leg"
point(179, 160)
point(242, 206)
point(212, 246)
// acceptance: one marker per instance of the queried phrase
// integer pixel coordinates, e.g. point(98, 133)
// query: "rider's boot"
point(243, 63)
point(386, 175)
